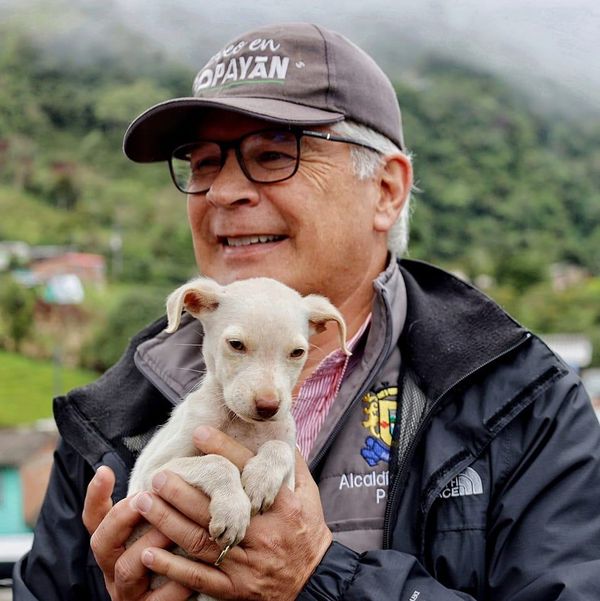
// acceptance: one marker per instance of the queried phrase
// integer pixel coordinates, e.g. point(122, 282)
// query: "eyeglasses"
point(265, 157)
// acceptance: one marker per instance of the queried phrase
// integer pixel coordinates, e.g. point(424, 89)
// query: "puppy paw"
point(262, 483)
point(230, 516)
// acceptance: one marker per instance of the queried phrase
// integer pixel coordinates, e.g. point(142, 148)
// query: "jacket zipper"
point(401, 474)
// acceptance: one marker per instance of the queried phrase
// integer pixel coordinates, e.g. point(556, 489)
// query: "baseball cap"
point(292, 74)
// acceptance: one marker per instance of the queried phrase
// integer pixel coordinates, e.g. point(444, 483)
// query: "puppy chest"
point(254, 435)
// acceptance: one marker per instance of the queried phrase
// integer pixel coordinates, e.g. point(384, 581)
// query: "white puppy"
point(255, 345)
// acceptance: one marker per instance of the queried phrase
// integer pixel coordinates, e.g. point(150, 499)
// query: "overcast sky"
point(551, 47)
point(542, 41)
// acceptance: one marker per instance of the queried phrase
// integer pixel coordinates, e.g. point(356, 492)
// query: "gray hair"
point(366, 162)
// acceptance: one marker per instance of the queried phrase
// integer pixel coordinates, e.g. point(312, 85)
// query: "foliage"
point(21, 111)
point(544, 310)
point(27, 386)
point(64, 153)
point(130, 314)
point(17, 305)
point(117, 103)
point(497, 179)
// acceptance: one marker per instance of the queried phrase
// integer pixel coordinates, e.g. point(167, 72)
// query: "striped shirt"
point(312, 404)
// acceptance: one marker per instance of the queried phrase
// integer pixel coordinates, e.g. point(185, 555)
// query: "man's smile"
point(237, 241)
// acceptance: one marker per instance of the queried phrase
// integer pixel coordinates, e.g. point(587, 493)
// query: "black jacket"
point(496, 498)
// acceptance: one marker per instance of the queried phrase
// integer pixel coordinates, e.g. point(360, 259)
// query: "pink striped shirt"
point(318, 392)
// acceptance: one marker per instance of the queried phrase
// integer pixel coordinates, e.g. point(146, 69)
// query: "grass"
point(28, 385)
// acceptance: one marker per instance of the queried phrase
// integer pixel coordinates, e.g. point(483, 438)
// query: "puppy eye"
point(237, 345)
point(297, 353)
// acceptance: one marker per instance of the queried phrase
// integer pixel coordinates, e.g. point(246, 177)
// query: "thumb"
point(98, 500)
point(304, 478)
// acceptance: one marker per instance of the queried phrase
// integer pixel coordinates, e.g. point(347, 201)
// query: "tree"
point(17, 306)
point(126, 317)
point(116, 105)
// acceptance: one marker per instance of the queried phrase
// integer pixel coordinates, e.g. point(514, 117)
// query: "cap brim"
point(163, 127)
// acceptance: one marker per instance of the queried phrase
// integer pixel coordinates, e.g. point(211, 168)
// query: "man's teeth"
point(247, 240)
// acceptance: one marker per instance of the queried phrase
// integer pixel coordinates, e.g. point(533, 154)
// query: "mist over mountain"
point(549, 49)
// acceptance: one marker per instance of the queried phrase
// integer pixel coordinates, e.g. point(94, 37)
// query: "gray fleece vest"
point(352, 450)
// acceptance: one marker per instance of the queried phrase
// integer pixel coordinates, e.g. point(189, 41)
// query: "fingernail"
point(99, 475)
point(159, 481)
point(147, 557)
point(143, 502)
point(201, 434)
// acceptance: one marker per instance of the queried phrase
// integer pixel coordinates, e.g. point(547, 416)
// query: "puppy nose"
point(267, 405)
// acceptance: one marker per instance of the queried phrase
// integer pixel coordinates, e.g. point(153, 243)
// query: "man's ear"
point(395, 183)
point(320, 311)
point(198, 297)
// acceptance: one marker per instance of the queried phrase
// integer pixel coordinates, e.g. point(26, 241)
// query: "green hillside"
point(28, 386)
point(504, 191)
point(497, 180)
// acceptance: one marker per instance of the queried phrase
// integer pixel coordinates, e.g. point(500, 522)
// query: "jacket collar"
point(452, 329)
point(173, 362)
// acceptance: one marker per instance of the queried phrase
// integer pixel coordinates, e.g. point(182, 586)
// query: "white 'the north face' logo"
point(465, 484)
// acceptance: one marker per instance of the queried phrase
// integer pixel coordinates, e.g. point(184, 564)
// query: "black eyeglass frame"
point(235, 144)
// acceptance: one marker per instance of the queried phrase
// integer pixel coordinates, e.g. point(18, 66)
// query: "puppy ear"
point(197, 297)
point(320, 311)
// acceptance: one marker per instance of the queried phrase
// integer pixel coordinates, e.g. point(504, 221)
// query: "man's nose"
point(231, 187)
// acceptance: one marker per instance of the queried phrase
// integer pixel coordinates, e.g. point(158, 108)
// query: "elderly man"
point(453, 456)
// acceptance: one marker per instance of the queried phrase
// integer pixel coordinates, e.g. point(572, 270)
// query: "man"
point(452, 457)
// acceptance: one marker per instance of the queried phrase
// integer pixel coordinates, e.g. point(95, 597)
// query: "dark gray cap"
point(293, 74)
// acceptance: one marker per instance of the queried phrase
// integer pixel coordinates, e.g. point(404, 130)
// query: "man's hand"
point(281, 549)
point(126, 577)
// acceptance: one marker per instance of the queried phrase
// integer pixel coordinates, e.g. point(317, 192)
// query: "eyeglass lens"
point(265, 157)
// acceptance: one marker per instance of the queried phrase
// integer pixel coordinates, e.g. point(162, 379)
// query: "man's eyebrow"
point(309, 142)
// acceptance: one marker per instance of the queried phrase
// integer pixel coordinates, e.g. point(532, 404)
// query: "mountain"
point(549, 49)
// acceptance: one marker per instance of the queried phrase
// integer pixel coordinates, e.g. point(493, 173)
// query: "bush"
point(17, 306)
point(128, 316)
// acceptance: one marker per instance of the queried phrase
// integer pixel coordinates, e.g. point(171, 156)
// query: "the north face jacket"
point(487, 487)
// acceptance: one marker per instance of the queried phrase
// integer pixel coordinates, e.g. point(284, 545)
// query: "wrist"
point(325, 540)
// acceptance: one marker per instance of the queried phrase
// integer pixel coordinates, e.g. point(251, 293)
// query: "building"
point(25, 462)
point(575, 349)
point(591, 381)
point(89, 268)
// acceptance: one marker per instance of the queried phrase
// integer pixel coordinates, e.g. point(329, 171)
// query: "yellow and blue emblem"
point(380, 410)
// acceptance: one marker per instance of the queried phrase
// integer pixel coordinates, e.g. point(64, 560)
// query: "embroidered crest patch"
point(379, 408)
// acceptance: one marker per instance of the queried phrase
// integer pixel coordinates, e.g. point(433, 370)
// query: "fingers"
point(303, 476)
point(305, 489)
point(191, 574)
point(109, 538)
point(98, 500)
point(124, 572)
point(209, 440)
point(182, 530)
point(131, 577)
point(171, 591)
point(189, 500)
